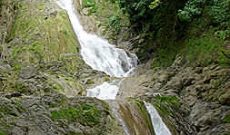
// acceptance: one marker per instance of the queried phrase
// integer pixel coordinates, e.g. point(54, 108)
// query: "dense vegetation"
point(195, 29)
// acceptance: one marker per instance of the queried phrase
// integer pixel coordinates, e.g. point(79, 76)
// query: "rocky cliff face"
point(192, 100)
point(54, 114)
point(40, 69)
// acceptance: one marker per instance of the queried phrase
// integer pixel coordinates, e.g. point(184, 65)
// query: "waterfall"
point(100, 55)
point(158, 125)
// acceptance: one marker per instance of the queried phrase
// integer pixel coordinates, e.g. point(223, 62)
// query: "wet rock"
point(203, 92)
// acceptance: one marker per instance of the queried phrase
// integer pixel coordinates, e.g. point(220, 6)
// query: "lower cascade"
point(104, 91)
point(102, 56)
point(158, 125)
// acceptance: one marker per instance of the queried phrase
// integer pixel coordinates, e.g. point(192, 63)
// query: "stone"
point(17, 131)
point(225, 98)
point(28, 72)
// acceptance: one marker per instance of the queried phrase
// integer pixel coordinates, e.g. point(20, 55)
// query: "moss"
point(41, 36)
point(196, 50)
point(144, 113)
point(44, 37)
point(11, 82)
point(167, 107)
point(86, 114)
point(228, 133)
point(165, 55)
point(10, 108)
point(106, 78)
point(2, 132)
point(166, 104)
point(65, 84)
point(90, 81)
point(205, 50)
point(227, 118)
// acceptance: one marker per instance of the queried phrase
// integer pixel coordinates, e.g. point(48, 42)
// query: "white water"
point(97, 52)
point(104, 91)
point(158, 125)
point(100, 55)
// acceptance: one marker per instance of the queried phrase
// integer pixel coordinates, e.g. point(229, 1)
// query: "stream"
point(102, 56)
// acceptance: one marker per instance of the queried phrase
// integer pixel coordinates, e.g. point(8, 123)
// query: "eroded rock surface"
point(202, 93)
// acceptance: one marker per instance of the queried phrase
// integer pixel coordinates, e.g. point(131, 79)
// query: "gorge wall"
point(186, 76)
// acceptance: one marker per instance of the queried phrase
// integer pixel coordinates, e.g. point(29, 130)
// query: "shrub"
point(115, 23)
point(192, 8)
point(219, 11)
point(91, 4)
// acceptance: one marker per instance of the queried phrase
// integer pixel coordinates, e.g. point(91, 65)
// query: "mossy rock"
point(227, 118)
point(86, 114)
point(44, 35)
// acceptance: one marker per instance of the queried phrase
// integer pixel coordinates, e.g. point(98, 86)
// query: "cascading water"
point(158, 125)
point(97, 52)
point(100, 55)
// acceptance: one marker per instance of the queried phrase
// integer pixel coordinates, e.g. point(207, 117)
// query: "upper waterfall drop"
point(97, 52)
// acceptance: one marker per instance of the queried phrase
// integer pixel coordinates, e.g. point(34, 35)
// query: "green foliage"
point(165, 55)
point(223, 34)
point(155, 21)
point(0, 5)
point(50, 38)
point(109, 18)
point(91, 4)
point(216, 12)
point(219, 11)
point(189, 37)
point(85, 114)
point(115, 23)
point(205, 50)
point(142, 110)
point(2, 132)
point(191, 9)
point(166, 104)
point(137, 9)
point(154, 4)
point(227, 119)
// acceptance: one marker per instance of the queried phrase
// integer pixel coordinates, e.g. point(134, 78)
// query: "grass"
point(85, 114)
